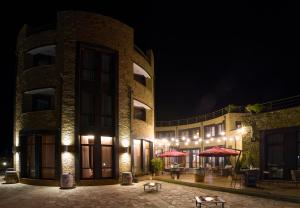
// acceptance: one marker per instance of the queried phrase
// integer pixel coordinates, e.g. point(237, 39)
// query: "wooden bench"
point(295, 175)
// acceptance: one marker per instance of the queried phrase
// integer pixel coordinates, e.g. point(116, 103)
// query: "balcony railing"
point(267, 107)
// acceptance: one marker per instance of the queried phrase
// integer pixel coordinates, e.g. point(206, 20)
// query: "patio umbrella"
point(173, 153)
point(219, 152)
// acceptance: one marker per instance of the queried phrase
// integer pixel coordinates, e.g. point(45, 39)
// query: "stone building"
point(269, 140)
point(84, 100)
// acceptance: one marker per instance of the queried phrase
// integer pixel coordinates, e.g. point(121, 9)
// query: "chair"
point(295, 175)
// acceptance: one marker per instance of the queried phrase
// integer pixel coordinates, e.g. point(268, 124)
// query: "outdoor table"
point(152, 186)
point(210, 201)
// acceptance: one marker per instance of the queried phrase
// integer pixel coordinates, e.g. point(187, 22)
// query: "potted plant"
point(157, 165)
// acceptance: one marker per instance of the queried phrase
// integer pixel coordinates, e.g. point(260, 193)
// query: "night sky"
point(206, 56)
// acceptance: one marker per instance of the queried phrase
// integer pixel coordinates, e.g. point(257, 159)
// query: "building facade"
point(84, 100)
point(269, 140)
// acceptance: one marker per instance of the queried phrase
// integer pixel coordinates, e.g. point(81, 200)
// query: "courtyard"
point(170, 196)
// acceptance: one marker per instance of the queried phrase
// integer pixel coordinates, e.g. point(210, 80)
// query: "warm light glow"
point(125, 143)
point(222, 133)
point(186, 143)
point(224, 138)
point(218, 140)
point(195, 136)
point(4, 163)
point(177, 140)
point(152, 184)
point(177, 144)
point(208, 135)
point(17, 140)
point(242, 130)
point(17, 161)
point(207, 142)
point(66, 140)
point(237, 138)
point(188, 140)
point(183, 138)
point(68, 162)
point(172, 139)
point(200, 140)
point(196, 142)
point(230, 139)
point(212, 139)
point(209, 198)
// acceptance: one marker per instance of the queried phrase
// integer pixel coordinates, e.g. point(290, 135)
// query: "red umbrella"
point(173, 153)
point(219, 152)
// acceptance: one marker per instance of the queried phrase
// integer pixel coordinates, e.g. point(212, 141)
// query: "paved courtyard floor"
point(113, 196)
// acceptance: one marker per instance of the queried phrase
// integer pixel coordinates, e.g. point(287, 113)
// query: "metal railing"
point(267, 107)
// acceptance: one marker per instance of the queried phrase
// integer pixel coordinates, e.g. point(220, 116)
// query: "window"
point(44, 55)
point(96, 157)
point(140, 74)
point(39, 151)
point(210, 131)
point(221, 128)
point(165, 134)
point(140, 78)
point(275, 155)
point(238, 124)
point(97, 88)
point(140, 113)
point(38, 100)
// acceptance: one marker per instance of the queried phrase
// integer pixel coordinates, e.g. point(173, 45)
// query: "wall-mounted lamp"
point(16, 149)
point(125, 149)
point(67, 148)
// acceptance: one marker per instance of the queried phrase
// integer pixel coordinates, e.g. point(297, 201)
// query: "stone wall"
point(261, 122)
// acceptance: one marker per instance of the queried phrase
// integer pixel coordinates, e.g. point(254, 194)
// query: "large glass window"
point(39, 151)
point(30, 156)
point(97, 89)
point(96, 157)
point(210, 131)
point(146, 151)
point(137, 156)
point(275, 155)
point(48, 156)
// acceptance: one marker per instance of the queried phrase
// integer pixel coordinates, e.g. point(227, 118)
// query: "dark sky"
point(206, 55)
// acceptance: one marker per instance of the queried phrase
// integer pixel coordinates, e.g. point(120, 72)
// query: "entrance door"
point(96, 157)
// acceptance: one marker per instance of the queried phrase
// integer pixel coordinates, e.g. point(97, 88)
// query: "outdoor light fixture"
point(4, 163)
point(200, 140)
point(183, 138)
point(172, 139)
point(195, 136)
point(207, 142)
point(208, 135)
